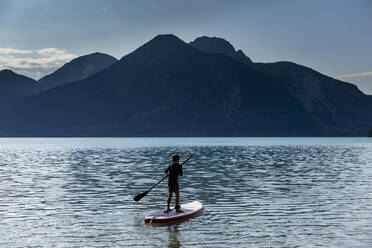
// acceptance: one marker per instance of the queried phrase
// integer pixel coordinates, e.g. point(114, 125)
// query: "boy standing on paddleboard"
point(174, 171)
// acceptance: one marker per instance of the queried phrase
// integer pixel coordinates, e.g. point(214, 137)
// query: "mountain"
point(77, 69)
point(338, 108)
point(167, 87)
point(14, 87)
point(170, 88)
point(327, 100)
point(219, 46)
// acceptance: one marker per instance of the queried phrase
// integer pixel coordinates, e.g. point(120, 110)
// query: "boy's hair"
point(175, 157)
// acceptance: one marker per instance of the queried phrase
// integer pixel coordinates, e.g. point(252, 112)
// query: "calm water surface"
point(269, 192)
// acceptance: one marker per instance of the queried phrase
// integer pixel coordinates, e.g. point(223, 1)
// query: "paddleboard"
point(190, 210)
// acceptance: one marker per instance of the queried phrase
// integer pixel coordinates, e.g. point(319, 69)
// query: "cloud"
point(34, 63)
point(50, 51)
point(357, 74)
point(14, 51)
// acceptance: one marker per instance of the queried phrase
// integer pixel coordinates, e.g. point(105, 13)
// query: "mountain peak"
point(220, 46)
point(94, 55)
point(14, 87)
point(165, 40)
point(213, 45)
point(7, 72)
point(160, 44)
point(78, 68)
point(166, 37)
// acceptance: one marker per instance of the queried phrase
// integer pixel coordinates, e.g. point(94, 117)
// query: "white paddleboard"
point(190, 210)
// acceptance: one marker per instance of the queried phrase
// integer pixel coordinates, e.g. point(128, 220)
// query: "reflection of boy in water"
point(174, 171)
point(173, 234)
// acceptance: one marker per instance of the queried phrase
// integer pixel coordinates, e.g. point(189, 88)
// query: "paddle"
point(140, 196)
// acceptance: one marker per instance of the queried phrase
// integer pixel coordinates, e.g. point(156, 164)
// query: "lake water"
point(257, 192)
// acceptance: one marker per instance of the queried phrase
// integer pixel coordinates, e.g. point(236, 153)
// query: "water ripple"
point(256, 192)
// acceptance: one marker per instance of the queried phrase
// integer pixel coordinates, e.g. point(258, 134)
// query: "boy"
point(174, 171)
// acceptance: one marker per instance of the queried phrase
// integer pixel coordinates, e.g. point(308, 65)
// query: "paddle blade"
point(140, 196)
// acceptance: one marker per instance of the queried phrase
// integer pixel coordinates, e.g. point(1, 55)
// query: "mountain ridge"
point(14, 87)
point(221, 46)
point(168, 87)
point(77, 69)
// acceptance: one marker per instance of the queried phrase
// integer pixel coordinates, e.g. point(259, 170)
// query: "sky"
point(333, 37)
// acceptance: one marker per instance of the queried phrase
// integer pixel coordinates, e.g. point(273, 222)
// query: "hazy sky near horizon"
point(333, 37)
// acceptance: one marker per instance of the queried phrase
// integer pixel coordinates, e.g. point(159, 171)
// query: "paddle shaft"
point(188, 158)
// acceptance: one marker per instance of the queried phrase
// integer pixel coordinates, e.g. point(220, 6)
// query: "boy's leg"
point(169, 200)
point(178, 201)
point(177, 197)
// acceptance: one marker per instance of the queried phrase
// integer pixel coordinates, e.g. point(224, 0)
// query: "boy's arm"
point(167, 170)
point(181, 173)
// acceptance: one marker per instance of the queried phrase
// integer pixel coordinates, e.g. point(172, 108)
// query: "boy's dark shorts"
point(173, 188)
